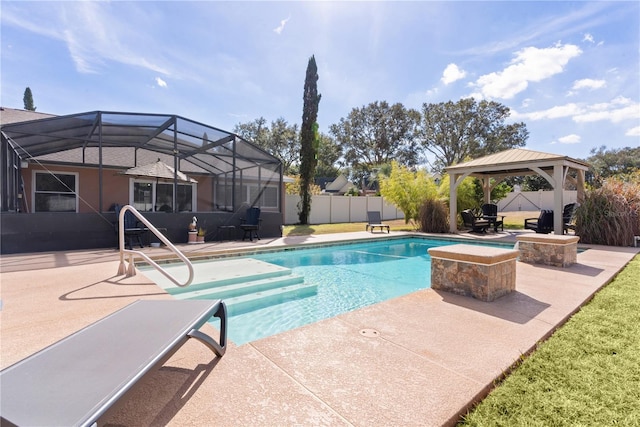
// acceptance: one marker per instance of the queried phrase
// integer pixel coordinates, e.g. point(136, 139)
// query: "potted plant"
point(193, 230)
point(201, 234)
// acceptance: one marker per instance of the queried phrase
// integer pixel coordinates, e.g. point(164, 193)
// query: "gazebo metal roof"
point(126, 140)
point(516, 161)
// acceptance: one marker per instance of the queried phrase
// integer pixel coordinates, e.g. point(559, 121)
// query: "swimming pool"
point(348, 277)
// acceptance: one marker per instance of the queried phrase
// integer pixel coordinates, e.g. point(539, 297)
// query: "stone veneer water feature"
point(485, 273)
point(558, 251)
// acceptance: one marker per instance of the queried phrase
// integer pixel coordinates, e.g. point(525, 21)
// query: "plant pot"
point(193, 237)
point(200, 239)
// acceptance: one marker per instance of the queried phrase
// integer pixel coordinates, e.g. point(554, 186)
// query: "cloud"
point(161, 82)
point(633, 131)
point(569, 139)
point(588, 84)
point(588, 38)
point(452, 73)
point(279, 29)
point(615, 111)
point(530, 64)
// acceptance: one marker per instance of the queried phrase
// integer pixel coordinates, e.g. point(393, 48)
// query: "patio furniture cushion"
point(77, 379)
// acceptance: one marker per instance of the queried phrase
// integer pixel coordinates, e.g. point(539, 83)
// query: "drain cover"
point(369, 333)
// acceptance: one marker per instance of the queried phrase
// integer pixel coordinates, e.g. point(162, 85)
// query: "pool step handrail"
point(131, 270)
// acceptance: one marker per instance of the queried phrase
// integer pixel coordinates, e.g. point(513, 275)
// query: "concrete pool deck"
point(433, 355)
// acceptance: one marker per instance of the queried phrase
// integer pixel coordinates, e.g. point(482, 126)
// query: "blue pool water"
point(349, 276)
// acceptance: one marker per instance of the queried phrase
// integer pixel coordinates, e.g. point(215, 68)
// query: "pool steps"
point(249, 285)
point(244, 285)
point(254, 301)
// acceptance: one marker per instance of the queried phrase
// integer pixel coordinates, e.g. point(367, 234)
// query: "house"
point(339, 186)
point(62, 177)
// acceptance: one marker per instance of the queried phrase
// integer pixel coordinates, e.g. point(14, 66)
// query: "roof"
point(515, 161)
point(12, 115)
point(125, 140)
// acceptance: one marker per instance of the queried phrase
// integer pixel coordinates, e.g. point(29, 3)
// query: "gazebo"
point(492, 169)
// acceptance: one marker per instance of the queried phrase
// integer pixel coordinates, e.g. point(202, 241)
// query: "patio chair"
point(76, 380)
point(132, 228)
point(374, 220)
point(250, 224)
point(543, 224)
point(490, 213)
point(477, 225)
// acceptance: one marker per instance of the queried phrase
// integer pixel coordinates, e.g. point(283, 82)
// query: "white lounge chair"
point(76, 380)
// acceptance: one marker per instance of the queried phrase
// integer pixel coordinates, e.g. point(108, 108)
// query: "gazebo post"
point(453, 203)
point(486, 186)
point(580, 186)
point(558, 190)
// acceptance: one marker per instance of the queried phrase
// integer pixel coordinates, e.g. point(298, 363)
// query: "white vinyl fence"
point(326, 209)
point(533, 200)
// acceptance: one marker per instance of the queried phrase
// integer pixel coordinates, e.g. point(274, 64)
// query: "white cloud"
point(614, 115)
point(569, 139)
point(633, 131)
point(616, 111)
point(588, 38)
point(557, 112)
point(530, 64)
point(452, 73)
point(279, 29)
point(161, 82)
point(588, 84)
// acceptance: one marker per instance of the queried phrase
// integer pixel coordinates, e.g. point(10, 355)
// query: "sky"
point(569, 70)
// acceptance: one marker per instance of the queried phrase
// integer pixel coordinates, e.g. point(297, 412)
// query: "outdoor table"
point(493, 221)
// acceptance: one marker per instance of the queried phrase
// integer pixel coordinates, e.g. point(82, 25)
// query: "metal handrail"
point(131, 271)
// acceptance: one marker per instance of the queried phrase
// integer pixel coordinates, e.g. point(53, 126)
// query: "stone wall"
point(557, 251)
point(481, 272)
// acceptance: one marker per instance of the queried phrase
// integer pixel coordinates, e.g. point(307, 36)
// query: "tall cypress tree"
point(309, 139)
point(28, 100)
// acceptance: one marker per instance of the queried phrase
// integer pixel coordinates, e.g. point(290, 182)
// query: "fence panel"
point(533, 200)
point(336, 209)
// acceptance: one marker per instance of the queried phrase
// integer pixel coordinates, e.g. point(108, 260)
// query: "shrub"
point(609, 215)
point(434, 216)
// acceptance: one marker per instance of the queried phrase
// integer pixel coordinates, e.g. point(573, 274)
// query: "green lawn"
point(512, 220)
point(586, 374)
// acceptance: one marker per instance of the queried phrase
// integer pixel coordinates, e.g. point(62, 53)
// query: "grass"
point(512, 220)
point(587, 373)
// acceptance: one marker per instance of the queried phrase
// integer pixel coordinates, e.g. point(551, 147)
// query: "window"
point(265, 197)
point(152, 196)
point(55, 192)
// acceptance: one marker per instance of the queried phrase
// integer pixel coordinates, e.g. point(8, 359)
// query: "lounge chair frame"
point(76, 380)
point(374, 220)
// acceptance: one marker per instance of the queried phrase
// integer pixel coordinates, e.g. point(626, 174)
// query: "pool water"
point(348, 276)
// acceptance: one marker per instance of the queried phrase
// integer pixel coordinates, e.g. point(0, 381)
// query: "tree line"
point(374, 135)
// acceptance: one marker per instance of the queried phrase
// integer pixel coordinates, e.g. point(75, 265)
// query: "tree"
point(328, 155)
point(607, 163)
point(285, 144)
point(256, 132)
point(28, 100)
point(407, 190)
point(377, 134)
point(455, 132)
point(280, 140)
point(309, 139)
